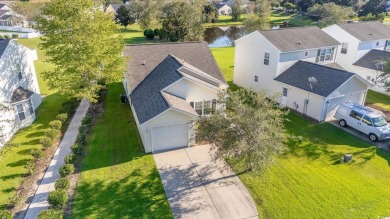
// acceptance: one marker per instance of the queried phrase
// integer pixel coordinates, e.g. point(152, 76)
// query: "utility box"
point(124, 98)
point(347, 158)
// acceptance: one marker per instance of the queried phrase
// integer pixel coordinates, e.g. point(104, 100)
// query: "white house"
point(359, 40)
point(169, 85)
point(9, 18)
point(299, 64)
point(19, 89)
point(223, 9)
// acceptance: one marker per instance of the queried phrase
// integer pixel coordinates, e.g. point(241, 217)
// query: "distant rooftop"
point(374, 59)
point(367, 31)
point(3, 45)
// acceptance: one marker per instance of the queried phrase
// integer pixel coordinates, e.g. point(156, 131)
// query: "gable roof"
point(328, 79)
point(367, 31)
point(3, 45)
point(5, 17)
point(2, 5)
point(298, 38)
point(3, 12)
point(178, 103)
point(145, 57)
point(374, 59)
point(20, 94)
point(220, 5)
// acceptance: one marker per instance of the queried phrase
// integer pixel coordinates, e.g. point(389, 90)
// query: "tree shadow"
point(18, 163)
point(11, 176)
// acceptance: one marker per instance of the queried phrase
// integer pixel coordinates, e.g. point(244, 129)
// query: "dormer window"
point(325, 55)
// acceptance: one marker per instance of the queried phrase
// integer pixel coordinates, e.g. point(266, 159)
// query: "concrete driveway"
point(197, 187)
point(381, 144)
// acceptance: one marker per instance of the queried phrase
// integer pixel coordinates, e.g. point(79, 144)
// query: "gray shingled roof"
point(367, 31)
point(5, 17)
point(2, 5)
point(179, 103)
point(195, 53)
point(146, 98)
point(328, 79)
point(3, 12)
point(20, 94)
point(298, 38)
point(219, 5)
point(3, 45)
point(374, 59)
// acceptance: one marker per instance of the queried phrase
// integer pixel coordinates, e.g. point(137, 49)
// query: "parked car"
point(363, 119)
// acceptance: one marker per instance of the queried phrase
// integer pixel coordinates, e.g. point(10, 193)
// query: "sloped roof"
point(367, 31)
point(178, 103)
point(20, 94)
point(3, 12)
point(3, 45)
point(328, 79)
point(145, 57)
point(374, 59)
point(5, 17)
point(298, 38)
point(2, 5)
point(220, 5)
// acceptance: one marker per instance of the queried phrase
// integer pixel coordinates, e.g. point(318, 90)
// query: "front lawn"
point(118, 179)
point(309, 182)
point(378, 99)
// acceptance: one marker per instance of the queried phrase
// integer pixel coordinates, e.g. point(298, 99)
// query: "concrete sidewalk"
point(46, 185)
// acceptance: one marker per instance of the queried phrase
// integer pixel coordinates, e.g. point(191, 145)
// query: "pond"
point(225, 36)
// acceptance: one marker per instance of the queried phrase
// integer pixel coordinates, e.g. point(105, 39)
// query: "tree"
point(370, 17)
point(330, 13)
point(210, 13)
point(80, 40)
point(260, 20)
point(146, 11)
point(30, 10)
point(305, 4)
point(182, 21)
point(384, 78)
point(375, 7)
point(250, 132)
point(236, 10)
point(123, 16)
point(290, 6)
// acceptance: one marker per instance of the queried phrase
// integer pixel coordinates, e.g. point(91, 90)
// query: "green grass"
point(226, 20)
point(225, 59)
point(294, 19)
point(378, 99)
point(133, 34)
point(118, 179)
point(309, 182)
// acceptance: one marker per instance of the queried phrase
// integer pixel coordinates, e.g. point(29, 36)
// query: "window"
point(377, 43)
point(207, 107)
point(306, 54)
point(199, 108)
point(266, 58)
point(21, 114)
point(204, 108)
point(367, 120)
point(356, 115)
point(285, 91)
point(256, 78)
point(325, 55)
point(344, 48)
point(19, 71)
point(30, 107)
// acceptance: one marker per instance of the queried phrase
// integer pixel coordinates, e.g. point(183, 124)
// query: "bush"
point(51, 133)
point(83, 129)
point(1, 37)
point(7, 36)
point(55, 124)
point(58, 198)
point(4, 214)
point(69, 159)
point(46, 142)
point(149, 33)
point(87, 120)
point(62, 184)
point(69, 106)
point(81, 138)
point(30, 166)
point(15, 36)
point(50, 214)
point(36, 153)
point(76, 149)
point(66, 170)
point(62, 117)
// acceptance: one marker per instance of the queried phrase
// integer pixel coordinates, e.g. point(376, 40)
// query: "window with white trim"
point(199, 107)
point(344, 48)
point(256, 78)
point(266, 58)
point(204, 108)
point(325, 55)
point(21, 114)
point(30, 107)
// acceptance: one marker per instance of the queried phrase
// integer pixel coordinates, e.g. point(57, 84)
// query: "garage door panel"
point(169, 137)
point(335, 103)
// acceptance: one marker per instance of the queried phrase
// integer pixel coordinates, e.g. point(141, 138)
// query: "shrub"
point(1, 37)
point(55, 124)
point(87, 120)
point(15, 36)
point(149, 33)
point(36, 153)
point(69, 159)
point(7, 36)
point(4, 214)
point(62, 117)
point(30, 166)
point(62, 184)
point(51, 133)
point(46, 142)
point(83, 129)
point(81, 138)
point(76, 149)
point(69, 106)
point(50, 214)
point(58, 198)
point(66, 170)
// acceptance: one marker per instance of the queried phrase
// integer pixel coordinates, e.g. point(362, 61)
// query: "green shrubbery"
point(58, 198)
point(30, 166)
point(149, 33)
point(46, 142)
point(62, 184)
point(50, 214)
point(69, 106)
point(55, 124)
point(66, 170)
point(52, 133)
point(62, 117)
point(4, 214)
point(36, 153)
point(70, 159)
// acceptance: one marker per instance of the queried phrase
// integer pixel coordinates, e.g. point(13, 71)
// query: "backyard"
point(309, 181)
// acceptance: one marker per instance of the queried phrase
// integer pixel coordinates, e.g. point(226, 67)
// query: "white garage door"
point(169, 137)
point(334, 103)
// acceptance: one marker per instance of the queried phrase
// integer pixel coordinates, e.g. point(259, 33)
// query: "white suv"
point(363, 119)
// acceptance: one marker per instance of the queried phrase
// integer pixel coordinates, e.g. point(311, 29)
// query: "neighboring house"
point(223, 9)
point(299, 64)
point(365, 46)
point(169, 85)
point(113, 8)
point(18, 87)
point(8, 18)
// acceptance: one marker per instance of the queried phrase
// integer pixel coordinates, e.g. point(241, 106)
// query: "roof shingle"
point(178, 103)
point(367, 31)
point(374, 59)
point(3, 45)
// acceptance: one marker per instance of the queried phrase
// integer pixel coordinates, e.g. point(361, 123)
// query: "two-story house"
point(299, 65)
point(365, 48)
point(168, 86)
point(19, 90)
